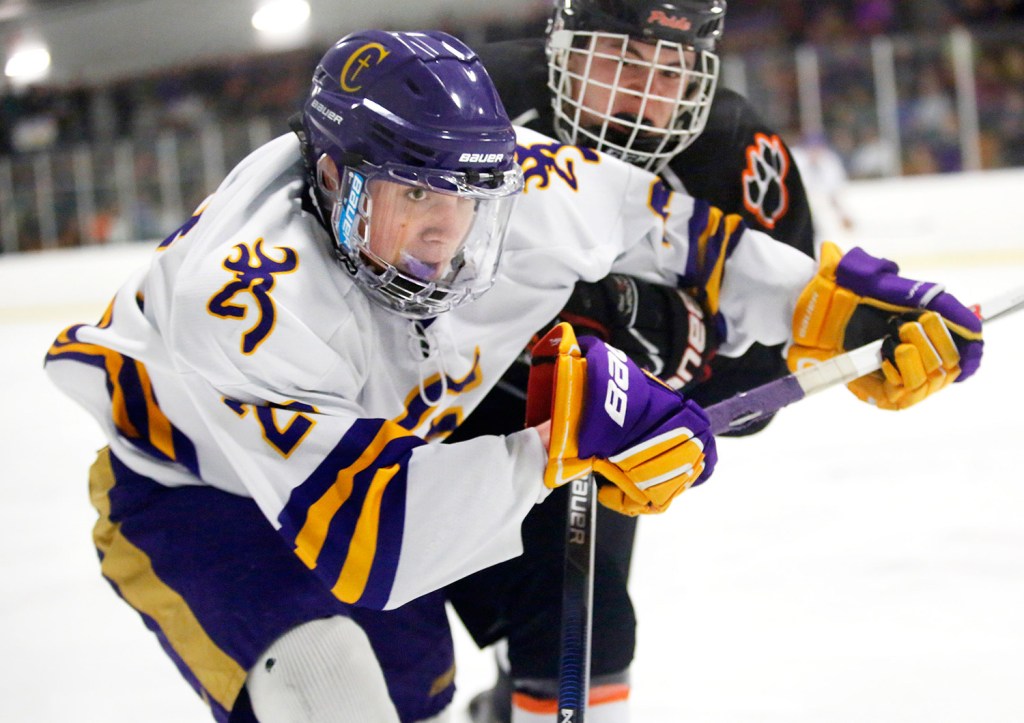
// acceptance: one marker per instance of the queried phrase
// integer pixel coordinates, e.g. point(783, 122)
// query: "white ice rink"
point(845, 566)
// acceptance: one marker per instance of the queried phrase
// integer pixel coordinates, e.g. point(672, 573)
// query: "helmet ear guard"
point(328, 180)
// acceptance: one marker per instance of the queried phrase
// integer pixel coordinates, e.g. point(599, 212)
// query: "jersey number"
point(284, 439)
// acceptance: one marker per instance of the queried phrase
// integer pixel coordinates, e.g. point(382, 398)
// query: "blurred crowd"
point(844, 36)
point(272, 86)
point(822, 23)
point(178, 99)
point(763, 39)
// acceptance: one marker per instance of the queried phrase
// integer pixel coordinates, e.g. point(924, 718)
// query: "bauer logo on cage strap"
point(350, 209)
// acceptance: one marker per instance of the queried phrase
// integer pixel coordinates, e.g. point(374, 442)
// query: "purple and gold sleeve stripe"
point(134, 406)
point(713, 238)
point(346, 520)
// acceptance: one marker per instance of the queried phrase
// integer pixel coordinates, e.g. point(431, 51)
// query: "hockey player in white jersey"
point(273, 501)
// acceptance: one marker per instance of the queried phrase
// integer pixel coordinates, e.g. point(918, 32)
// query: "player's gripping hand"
point(610, 417)
point(932, 339)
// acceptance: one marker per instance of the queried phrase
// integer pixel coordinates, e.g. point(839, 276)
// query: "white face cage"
point(642, 102)
point(382, 219)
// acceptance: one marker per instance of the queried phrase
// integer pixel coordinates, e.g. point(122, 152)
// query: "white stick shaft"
point(840, 369)
point(868, 358)
point(741, 410)
point(999, 305)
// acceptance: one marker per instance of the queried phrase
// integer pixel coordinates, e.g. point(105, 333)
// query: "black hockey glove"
point(661, 328)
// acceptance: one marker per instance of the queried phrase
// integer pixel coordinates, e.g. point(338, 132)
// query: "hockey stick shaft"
point(737, 412)
point(577, 601)
point(1002, 305)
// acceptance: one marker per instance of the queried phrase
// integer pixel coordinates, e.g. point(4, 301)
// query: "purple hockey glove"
point(648, 441)
point(933, 339)
point(610, 417)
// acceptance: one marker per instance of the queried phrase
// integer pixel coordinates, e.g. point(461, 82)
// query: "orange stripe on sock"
point(528, 703)
point(611, 693)
point(599, 695)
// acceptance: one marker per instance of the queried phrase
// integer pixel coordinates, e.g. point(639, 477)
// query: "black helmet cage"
point(576, 30)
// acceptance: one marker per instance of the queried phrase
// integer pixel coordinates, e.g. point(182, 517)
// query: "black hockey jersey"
point(738, 164)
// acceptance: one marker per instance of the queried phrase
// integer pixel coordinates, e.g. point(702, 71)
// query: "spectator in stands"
point(874, 17)
point(873, 157)
point(826, 179)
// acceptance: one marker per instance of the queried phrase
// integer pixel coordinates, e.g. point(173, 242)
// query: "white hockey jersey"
point(246, 358)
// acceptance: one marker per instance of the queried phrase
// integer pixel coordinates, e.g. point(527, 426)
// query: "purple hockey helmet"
point(424, 156)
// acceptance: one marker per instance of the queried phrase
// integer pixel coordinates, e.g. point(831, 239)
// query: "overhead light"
point(281, 17)
point(28, 64)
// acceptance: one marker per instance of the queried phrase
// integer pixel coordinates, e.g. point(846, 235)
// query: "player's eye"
point(416, 194)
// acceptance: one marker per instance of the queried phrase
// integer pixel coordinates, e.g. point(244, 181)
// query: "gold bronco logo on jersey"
point(368, 56)
point(254, 273)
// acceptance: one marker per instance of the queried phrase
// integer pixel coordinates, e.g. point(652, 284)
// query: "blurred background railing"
point(897, 105)
point(129, 159)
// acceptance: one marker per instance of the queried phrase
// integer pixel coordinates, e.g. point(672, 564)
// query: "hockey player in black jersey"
point(637, 79)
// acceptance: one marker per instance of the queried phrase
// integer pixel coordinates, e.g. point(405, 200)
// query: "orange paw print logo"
point(764, 181)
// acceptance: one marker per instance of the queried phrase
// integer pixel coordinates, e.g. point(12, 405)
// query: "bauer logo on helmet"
point(326, 112)
point(481, 158)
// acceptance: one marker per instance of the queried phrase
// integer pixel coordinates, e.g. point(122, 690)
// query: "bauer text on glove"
point(610, 417)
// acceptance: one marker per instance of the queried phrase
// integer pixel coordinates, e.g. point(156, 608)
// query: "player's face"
point(416, 230)
point(624, 72)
